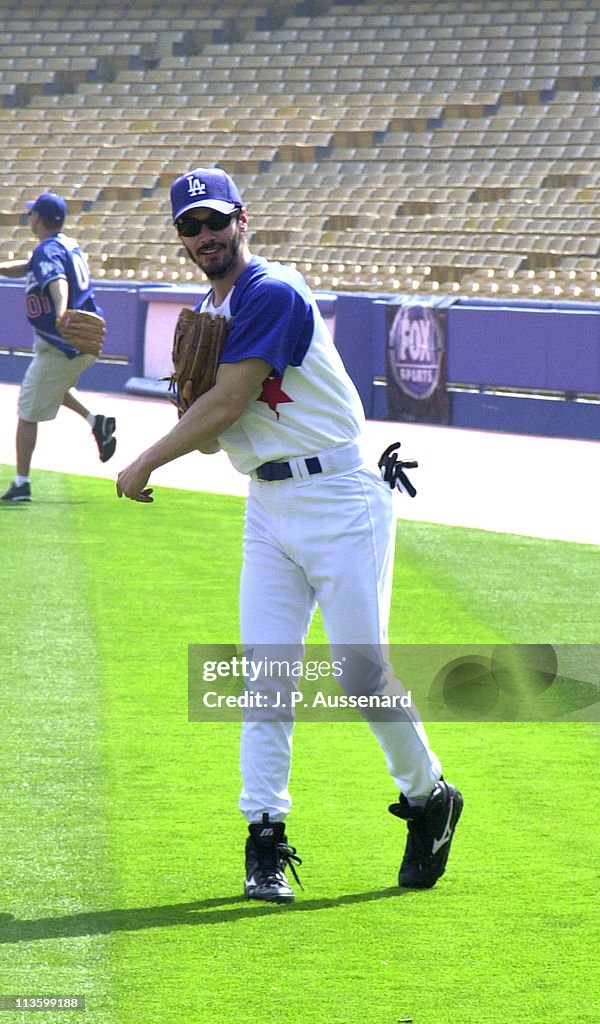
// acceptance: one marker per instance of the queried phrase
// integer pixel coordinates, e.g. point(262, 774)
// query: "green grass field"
point(122, 846)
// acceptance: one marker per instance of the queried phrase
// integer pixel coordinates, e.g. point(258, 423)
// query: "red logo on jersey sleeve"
point(273, 394)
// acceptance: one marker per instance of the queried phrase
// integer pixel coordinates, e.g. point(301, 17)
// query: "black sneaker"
point(17, 493)
point(430, 832)
point(267, 856)
point(103, 430)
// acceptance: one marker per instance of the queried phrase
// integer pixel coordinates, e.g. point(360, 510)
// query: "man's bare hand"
point(131, 482)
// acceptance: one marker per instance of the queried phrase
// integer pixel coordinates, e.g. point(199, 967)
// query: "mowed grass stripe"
point(166, 577)
point(455, 585)
point(52, 790)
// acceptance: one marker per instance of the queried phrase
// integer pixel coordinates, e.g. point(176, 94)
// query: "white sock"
point(20, 480)
point(421, 802)
point(91, 419)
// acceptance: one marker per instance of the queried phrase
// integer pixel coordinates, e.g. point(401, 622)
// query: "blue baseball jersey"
point(307, 404)
point(56, 257)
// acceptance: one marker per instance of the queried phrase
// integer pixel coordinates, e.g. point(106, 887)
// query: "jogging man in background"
point(58, 279)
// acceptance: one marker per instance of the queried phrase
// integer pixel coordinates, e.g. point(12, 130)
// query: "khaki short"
point(49, 376)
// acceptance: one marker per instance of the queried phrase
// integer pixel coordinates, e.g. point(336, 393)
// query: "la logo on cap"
point(195, 187)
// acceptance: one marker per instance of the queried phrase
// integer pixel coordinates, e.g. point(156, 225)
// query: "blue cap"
point(49, 206)
point(205, 187)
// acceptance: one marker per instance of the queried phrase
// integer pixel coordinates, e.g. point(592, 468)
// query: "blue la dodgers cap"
point(49, 206)
point(204, 187)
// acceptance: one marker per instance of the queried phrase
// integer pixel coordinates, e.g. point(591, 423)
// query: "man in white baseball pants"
point(319, 524)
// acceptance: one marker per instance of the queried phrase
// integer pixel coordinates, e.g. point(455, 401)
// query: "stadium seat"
point(457, 109)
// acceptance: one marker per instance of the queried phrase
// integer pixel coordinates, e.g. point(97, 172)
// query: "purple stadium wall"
point(518, 367)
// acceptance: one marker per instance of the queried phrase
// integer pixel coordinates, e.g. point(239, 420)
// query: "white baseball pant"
point(326, 540)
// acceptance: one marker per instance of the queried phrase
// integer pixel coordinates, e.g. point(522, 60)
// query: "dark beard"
point(223, 270)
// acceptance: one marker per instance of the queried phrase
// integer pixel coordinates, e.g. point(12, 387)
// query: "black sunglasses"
point(189, 226)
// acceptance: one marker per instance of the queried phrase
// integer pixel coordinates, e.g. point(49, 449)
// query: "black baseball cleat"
point(430, 832)
point(103, 430)
point(267, 856)
point(20, 492)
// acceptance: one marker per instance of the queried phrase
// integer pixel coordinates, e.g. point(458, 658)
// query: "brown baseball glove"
point(84, 331)
point(197, 346)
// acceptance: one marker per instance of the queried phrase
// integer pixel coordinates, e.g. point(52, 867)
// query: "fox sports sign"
point(416, 348)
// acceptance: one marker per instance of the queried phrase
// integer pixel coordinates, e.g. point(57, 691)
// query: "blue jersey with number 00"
point(56, 257)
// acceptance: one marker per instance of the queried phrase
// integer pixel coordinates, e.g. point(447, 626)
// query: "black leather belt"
point(283, 470)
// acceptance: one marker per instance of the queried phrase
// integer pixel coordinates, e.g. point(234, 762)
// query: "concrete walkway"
point(537, 487)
